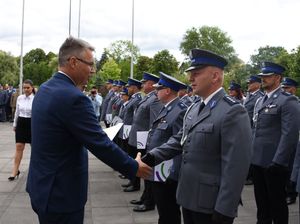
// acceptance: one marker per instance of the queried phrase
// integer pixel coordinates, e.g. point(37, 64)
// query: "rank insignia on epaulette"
point(229, 100)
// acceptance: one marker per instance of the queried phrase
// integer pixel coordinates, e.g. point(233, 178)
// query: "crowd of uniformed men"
point(217, 142)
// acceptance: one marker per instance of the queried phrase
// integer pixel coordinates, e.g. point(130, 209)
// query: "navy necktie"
point(265, 98)
point(202, 105)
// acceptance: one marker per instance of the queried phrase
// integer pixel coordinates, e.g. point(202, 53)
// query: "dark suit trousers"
point(270, 195)
point(165, 199)
point(60, 218)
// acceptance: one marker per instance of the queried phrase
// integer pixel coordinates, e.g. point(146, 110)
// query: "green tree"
point(110, 70)
point(9, 69)
point(165, 62)
point(103, 59)
point(209, 38)
point(144, 64)
point(35, 56)
point(121, 49)
point(267, 53)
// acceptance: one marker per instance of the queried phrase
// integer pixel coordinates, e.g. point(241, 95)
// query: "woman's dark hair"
point(28, 81)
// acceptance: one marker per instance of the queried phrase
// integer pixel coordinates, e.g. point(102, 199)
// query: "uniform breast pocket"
point(268, 115)
point(163, 126)
point(202, 134)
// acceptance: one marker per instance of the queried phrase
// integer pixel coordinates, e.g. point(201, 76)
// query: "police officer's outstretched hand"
point(218, 218)
point(144, 171)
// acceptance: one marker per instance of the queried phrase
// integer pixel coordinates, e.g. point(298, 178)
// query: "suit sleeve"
point(82, 123)
point(235, 159)
point(289, 132)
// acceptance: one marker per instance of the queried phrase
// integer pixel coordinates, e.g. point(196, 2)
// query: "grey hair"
point(72, 47)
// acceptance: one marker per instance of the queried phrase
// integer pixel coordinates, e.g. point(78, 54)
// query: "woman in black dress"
point(22, 125)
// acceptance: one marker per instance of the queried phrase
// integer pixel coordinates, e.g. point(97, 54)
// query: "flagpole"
point(132, 42)
point(79, 15)
point(70, 15)
point(21, 56)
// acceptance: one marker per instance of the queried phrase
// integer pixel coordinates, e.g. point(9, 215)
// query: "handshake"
point(144, 169)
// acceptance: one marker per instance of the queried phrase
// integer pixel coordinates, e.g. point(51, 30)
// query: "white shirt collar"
point(271, 93)
point(67, 76)
point(211, 96)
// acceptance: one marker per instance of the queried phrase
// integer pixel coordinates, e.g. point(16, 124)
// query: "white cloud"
point(159, 24)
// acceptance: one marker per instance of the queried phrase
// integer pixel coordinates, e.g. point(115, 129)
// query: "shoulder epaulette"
point(182, 105)
point(230, 100)
point(286, 93)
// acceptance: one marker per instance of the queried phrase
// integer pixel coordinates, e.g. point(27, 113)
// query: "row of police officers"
point(211, 139)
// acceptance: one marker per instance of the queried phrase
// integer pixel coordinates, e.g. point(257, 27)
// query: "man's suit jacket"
point(167, 123)
point(249, 103)
point(215, 147)
point(64, 125)
point(129, 111)
point(105, 104)
point(276, 129)
point(147, 110)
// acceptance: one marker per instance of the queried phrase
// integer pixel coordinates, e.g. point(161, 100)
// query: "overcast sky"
point(159, 24)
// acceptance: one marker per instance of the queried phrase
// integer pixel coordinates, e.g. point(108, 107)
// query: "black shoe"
point(249, 182)
point(290, 200)
point(122, 176)
point(143, 208)
point(136, 202)
point(131, 189)
point(126, 185)
point(11, 178)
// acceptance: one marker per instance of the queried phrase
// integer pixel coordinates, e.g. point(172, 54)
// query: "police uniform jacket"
point(116, 106)
point(105, 104)
point(147, 110)
point(215, 147)
point(168, 123)
point(250, 101)
point(186, 100)
point(276, 129)
point(129, 111)
point(111, 102)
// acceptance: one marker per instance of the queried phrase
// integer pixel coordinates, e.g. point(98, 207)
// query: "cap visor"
point(266, 74)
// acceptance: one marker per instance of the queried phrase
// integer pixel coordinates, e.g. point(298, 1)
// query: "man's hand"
point(144, 170)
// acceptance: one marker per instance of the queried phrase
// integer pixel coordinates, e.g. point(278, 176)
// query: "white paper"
point(116, 120)
point(162, 170)
point(141, 139)
point(113, 130)
point(108, 118)
point(126, 131)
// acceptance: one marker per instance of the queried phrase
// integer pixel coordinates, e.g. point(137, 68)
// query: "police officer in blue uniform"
point(290, 85)
point(183, 95)
point(147, 110)
point(106, 99)
point(235, 91)
point(168, 123)
point(215, 159)
point(253, 93)
point(118, 103)
point(134, 90)
point(274, 141)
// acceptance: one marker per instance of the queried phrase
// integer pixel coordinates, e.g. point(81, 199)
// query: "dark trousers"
point(60, 218)
point(270, 195)
point(147, 197)
point(165, 199)
point(191, 217)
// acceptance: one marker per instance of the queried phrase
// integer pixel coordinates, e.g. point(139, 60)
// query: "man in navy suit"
point(64, 126)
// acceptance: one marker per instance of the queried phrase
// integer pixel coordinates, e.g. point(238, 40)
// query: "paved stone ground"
point(107, 203)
